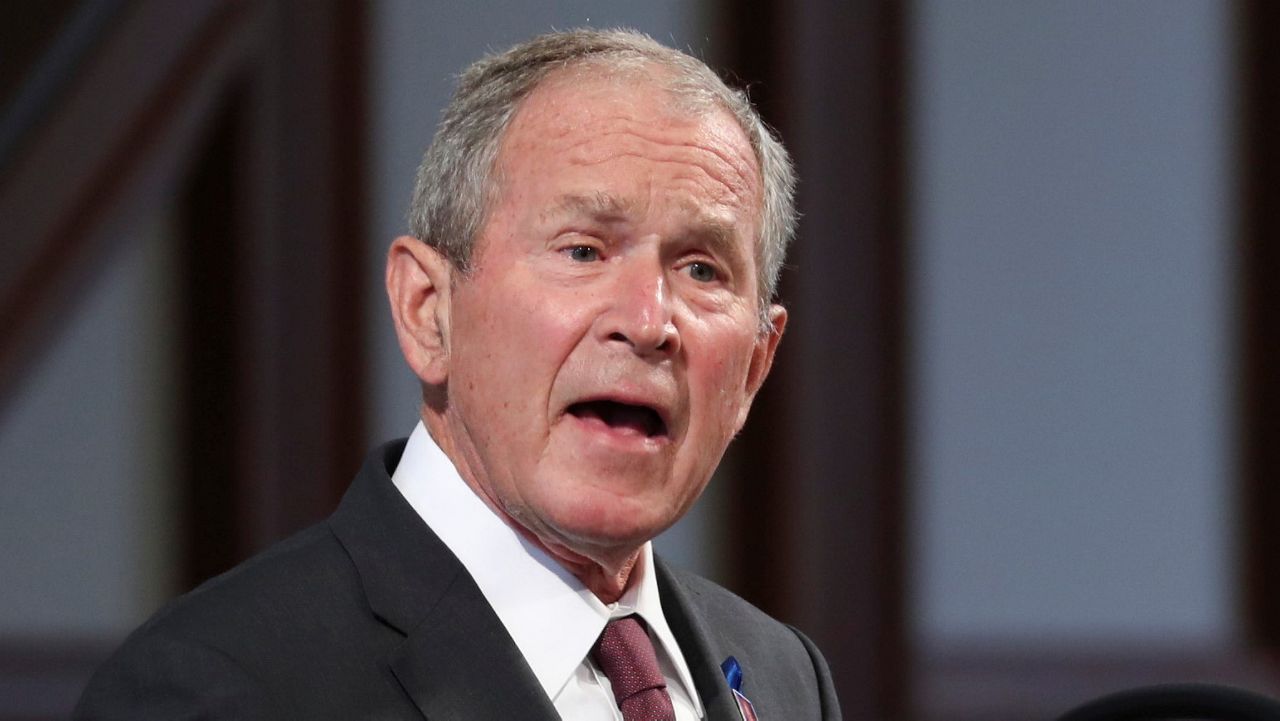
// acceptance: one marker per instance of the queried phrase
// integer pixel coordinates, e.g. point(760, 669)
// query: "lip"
point(621, 434)
point(617, 439)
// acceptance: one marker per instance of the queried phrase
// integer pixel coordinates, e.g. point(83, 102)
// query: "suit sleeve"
point(176, 680)
point(826, 688)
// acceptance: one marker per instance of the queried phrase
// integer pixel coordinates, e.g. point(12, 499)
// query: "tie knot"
point(626, 656)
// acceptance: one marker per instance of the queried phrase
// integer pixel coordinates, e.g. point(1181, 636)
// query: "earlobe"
point(418, 287)
point(762, 358)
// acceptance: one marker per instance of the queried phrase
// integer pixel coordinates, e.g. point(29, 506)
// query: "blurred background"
point(1019, 446)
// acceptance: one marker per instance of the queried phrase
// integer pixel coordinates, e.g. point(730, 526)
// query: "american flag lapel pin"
point(733, 674)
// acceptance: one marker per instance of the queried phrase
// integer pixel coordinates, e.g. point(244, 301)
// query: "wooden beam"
point(293, 316)
point(820, 522)
point(1258, 24)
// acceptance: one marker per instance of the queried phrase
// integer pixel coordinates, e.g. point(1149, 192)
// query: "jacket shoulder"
point(305, 576)
point(243, 642)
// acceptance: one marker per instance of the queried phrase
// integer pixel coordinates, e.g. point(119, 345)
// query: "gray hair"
point(454, 188)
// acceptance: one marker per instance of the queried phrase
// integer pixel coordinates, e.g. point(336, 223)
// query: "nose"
point(640, 314)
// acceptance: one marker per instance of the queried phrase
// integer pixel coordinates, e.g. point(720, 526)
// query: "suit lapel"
point(697, 643)
point(460, 663)
point(457, 660)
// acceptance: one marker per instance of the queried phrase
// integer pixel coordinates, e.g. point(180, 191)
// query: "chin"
point(587, 525)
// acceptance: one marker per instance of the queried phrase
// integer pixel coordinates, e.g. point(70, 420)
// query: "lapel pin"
point(733, 674)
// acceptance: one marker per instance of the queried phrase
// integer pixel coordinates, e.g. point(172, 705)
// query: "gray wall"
point(1071, 305)
point(87, 513)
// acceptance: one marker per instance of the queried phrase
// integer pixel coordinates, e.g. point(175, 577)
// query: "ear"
point(762, 358)
point(418, 285)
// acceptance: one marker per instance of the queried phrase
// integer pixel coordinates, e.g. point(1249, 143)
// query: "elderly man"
point(598, 227)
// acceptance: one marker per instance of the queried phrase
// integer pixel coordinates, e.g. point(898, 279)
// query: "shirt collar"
point(552, 617)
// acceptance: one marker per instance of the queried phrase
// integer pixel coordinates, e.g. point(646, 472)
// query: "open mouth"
point(638, 419)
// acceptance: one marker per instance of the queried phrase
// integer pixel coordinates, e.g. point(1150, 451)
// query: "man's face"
point(606, 346)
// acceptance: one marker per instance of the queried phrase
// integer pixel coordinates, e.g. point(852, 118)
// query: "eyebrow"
point(601, 206)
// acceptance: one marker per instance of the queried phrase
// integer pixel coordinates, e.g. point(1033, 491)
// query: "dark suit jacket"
point(370, 616)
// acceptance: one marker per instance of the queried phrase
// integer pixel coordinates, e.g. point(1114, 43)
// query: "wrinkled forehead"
point(583, 99)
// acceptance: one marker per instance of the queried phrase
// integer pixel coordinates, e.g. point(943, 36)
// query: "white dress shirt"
point(552, 617)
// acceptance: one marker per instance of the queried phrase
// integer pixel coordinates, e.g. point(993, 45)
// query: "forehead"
point(624, 119)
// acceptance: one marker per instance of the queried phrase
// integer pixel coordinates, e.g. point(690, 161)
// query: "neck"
point(608, 579)
point(606, 572)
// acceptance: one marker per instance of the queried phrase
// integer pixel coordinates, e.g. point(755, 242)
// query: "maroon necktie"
point(626, 656)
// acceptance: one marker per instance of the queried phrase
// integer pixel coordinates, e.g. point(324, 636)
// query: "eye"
point(702, 272)
point(583, 253)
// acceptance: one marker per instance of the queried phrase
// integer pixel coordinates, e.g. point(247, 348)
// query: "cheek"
point(516, 346)
point(723, 378)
